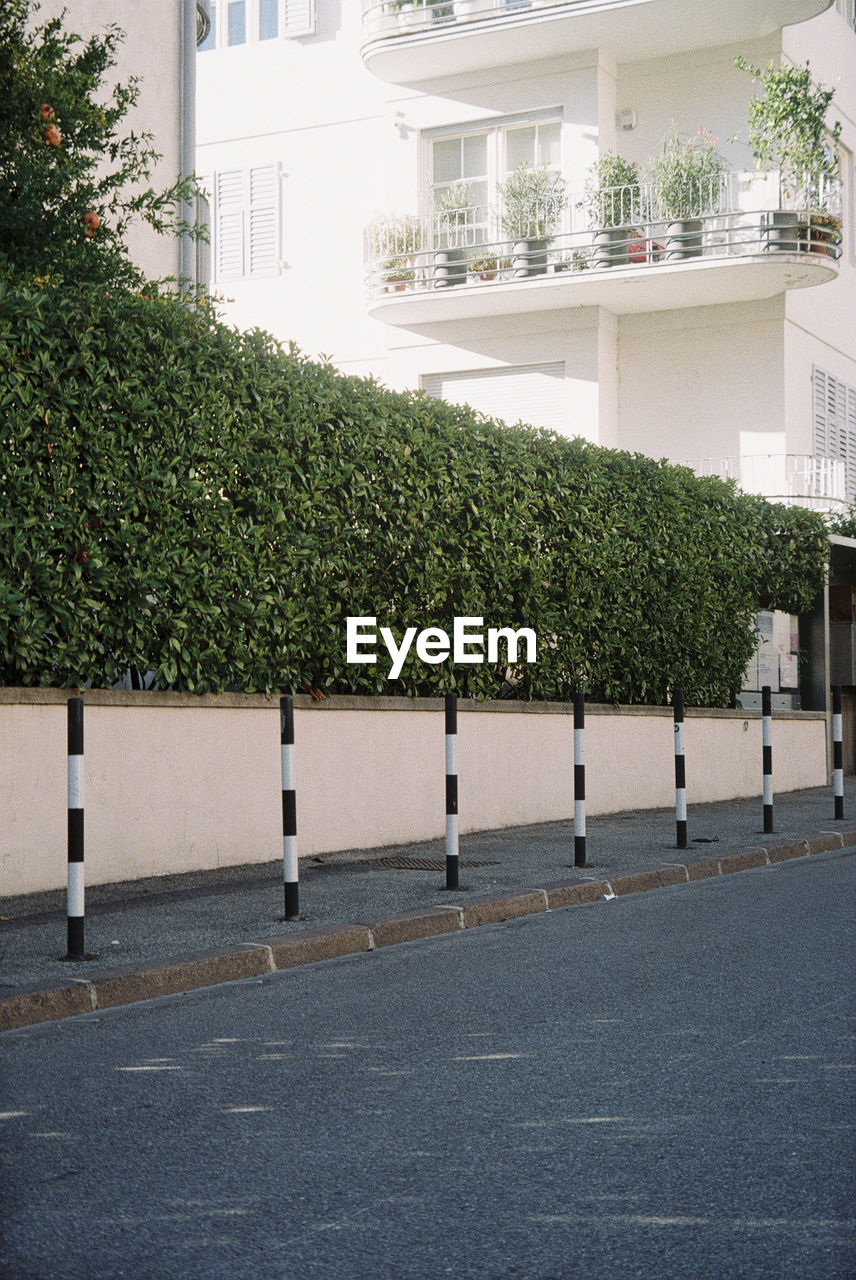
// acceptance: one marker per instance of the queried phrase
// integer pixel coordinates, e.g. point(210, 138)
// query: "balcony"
point(627, 258)
point(797, 479)
point(408, 41)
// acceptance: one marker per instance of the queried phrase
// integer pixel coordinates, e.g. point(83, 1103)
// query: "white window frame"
point(251, 200)
point(494, 130)
point(297, 18)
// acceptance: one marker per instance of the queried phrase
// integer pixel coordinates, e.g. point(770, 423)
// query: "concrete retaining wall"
point(180, 783)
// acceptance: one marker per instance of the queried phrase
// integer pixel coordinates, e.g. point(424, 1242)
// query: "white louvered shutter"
point(534, 393)
point(264, 221)
point(835, 424)
point(229, 224)
point(247, 222)
point(298, 17)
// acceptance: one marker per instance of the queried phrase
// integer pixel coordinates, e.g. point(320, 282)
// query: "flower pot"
point(529, 257)
point(781, 231)
point(610, 247)
point(683, 239)
point(450, 267)
point(822, 234)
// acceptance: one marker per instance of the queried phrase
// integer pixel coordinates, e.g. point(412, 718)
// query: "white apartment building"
point(329, 130)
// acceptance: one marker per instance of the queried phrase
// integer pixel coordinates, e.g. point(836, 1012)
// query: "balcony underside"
point(623, 290)
point(625, 30)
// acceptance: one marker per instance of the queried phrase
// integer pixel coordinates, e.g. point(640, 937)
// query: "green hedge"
point(184, 500)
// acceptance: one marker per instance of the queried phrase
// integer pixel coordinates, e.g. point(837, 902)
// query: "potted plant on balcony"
point(397, 274)
point(533, 200)
point(396, 244)
point(486, 266)
point(612, 201)
point(455, 233)
point(687, 177)
point(788, 132)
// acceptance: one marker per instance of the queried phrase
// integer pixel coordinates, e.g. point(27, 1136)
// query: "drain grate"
point(413, 864)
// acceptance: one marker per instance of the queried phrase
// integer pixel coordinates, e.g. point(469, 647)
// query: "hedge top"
point(205, 508)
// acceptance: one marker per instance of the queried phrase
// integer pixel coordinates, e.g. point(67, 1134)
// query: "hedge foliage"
point(180, 499)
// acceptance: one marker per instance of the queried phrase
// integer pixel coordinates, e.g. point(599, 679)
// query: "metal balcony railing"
point(795, 478)
point(404, 17)
point(733, 216)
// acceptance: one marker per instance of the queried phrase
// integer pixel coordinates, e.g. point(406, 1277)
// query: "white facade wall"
point(696, 379)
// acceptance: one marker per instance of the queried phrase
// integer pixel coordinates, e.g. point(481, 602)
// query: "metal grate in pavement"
point(413, 864)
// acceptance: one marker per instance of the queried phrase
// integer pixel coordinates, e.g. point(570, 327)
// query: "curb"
point(44, 1002)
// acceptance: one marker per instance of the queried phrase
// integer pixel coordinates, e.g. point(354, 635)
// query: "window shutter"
point(247, 222)
point(229, 229)
point(298, 17)
point(263, 246)
point(835, 424)
point(534, 394)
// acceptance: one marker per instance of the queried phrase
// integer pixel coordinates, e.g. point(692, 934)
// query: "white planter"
point(466, 9)
point(412, 17)
point(757, 191)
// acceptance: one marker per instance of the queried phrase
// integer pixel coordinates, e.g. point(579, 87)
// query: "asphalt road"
point(657, 1086)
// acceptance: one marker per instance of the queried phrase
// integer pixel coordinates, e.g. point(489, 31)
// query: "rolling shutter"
point(533, 393)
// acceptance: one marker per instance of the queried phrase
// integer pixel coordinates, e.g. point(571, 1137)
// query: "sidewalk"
point(177, 933)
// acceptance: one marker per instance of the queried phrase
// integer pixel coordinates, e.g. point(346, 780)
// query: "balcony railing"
point(736, 216)
point(405, 17)
point(491, 29)
point(794, 478)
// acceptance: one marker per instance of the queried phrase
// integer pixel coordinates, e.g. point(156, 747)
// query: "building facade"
point(356, 156)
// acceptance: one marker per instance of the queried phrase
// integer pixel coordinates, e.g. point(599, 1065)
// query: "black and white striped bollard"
point(291, 891)
point(451, 791)
point(75, 831)
point(767, 747)
point(837, 753)
point(680, 769)
point(579, 780)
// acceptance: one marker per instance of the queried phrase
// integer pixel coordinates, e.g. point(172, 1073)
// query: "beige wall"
point(176, 783)
point(154, 50)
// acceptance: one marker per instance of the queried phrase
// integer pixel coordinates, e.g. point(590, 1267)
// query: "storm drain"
point(414, 864)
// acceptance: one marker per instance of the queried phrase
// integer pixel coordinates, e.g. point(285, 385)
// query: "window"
point(482, 157)
point(251, 21)
point(236, 15)
point(835, 424)
point(246, 222)
point(533, 393)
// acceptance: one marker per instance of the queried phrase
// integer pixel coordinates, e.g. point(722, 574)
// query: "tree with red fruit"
point(71, 180)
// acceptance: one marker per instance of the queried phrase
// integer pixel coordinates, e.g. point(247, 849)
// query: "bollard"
point(75, 831)
point(451, 791)
point(837, 753)
point(291, 890)
point(767, 740)
point(579, 780)
point(680, 769)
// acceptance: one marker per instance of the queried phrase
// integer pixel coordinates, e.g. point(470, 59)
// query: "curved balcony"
point(407, 41)
point(458, 264)
point(797, 479)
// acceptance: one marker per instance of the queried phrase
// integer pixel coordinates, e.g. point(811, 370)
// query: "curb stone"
point(44, 1002)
